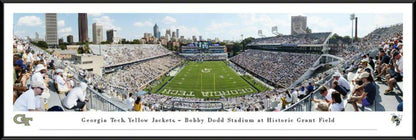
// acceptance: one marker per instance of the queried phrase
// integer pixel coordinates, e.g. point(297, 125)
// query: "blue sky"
point(225, 26)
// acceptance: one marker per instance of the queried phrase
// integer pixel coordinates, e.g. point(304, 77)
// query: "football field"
point(210, 79)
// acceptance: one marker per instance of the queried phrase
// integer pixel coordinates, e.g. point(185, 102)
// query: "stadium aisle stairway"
point(55, 99)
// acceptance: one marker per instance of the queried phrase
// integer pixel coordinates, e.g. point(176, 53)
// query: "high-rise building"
point(51, 24)
point(173, 34)
point(112, 36)
point(36, 36)
point(194, 38)
point(97, 33)
point(83, 27)
point(200, 38)
point(217, 40)
point(61, 41)
point(70, 39)
point(168, 33)
point(177, 33)
point(156, 31)
point(298, 25)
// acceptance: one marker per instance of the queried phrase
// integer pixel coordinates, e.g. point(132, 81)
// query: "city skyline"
point(224, 26)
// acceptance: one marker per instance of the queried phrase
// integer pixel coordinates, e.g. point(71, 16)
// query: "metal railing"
point(100, 103)
point(198, 105)
point(306, 103)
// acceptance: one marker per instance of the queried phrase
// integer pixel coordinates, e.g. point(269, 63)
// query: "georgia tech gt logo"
point(396, 119)
point(23, 119)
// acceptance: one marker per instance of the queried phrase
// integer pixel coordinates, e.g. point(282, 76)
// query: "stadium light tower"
point(274, 31)
point(352, 17)
point(260, 33)
point(242, 40)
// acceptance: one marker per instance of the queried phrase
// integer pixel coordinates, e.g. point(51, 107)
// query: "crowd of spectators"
point(381, 36)
point(311, 38)
point(205, 57)
point(131, 78)
point(386, 66)
point(281, 68)
point(35, 73)
point(123, 53)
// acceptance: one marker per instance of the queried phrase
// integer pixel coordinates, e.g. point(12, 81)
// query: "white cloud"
point(29, 21)
point(107, 23)
point(188, 32)
point(319, 24)
point(169, 20)
point(20, 33)
point(262, 22)
point(61, 23)
point(250, 31)
point(142, 24)
point(218, 26)
point(65, 30)
point(383, 20)
point(95, 14)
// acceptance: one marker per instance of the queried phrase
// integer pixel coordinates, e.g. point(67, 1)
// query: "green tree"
point(42, 44)
point(136, 41)
point(346, 39)
point(246, 41)
point(236, 48)
point(308, 30)
point(84, 49)
point(62, 46)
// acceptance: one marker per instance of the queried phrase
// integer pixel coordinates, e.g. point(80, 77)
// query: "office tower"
point(83, 27)
point(51, 24)
point(97, 33)
point(156, 32)
point(112, 36)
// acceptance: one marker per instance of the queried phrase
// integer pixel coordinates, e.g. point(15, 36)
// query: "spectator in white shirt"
point(30, 57)
point(325, 92)
point(396, 74)
point(71, 81)
point(342, 81)
point(63, 85)
point(337, 104)
point(130, 101)
point(295, 95)
point(76, 98)
point(38, 75)
point(30, 100)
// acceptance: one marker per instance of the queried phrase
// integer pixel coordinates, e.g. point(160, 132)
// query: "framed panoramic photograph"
point(208, 69)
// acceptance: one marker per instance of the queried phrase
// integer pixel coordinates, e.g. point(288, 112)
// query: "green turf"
point(256, 84)
point(160, 82)
point(211, 79)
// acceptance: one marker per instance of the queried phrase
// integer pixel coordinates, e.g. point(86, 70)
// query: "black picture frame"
point(201, 1)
